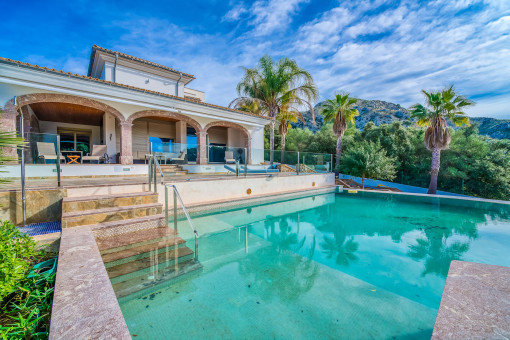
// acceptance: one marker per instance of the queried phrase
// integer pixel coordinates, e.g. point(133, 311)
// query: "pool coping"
point(84, 303)
point(464, 198)
point(475, 303)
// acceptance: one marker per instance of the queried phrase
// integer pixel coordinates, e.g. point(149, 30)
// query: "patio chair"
point(98, 154)
point(46, 151)
point(182, 159)
point(229, 157)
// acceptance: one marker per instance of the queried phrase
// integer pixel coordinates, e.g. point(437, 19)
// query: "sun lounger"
point(229, 157)
point(46, 151)
point(98, 154)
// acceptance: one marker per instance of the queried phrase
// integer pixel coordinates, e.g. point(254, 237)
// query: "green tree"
point(340, 111)
point(441, 106)
point(274, 85)
point(368, 159)
point(285, 117)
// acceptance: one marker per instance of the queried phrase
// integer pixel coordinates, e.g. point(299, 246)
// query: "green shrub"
point(17, 251)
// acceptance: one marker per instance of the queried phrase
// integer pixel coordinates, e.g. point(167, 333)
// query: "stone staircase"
point(145, 258)
point(173, 170)
point(137, 246)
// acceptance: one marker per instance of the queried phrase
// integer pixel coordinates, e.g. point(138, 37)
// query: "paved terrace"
point(51, 183)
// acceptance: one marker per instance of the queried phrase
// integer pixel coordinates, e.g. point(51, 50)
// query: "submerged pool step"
point(148, 279)
point(83, 203)
point(155, 261)
point(140, 251)
point(96, 216)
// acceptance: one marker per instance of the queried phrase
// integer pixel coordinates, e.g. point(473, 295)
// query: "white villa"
point(129, 105)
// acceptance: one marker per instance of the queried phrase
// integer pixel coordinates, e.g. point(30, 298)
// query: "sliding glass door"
point(75, 140)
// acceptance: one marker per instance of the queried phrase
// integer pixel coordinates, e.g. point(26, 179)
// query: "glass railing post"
point(175, 209)
point(23, 192)
point(150, 173)
point(297, 166)
point(166, 205)
point(58, 161)
point(155, 175)
point(245, 162)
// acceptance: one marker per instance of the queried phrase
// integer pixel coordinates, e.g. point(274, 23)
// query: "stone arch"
point(32, 98)
point(247, 135)
point(167, 114)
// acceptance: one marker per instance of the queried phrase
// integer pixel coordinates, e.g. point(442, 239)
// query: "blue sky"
point(387, 50)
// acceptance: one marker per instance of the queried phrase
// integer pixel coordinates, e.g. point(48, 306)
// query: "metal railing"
point(177, 197)
point(153, 168)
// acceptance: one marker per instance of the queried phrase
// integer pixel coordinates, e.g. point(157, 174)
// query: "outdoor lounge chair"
point(229, 157)
point(46, 151)
point(98, 154)
point(182, 159)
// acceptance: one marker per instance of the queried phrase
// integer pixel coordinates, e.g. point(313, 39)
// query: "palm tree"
point(440, 106)
point(339, 111)
point(285, 117)
point(273, 85)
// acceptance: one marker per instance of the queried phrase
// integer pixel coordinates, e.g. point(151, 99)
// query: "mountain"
point(381, 112)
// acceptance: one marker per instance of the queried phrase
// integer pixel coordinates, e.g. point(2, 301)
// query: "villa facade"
point(131, 105)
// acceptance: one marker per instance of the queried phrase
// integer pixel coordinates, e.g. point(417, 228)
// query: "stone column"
point(201, 147)
point(8, 124)
point(126, 145)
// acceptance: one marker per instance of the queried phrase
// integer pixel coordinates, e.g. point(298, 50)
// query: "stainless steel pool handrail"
point(177, 197)
point(153, 168)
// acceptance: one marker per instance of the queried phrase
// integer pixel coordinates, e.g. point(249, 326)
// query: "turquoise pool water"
point(329, 266)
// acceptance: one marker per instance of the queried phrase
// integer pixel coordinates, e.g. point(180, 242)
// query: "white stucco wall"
point(144, 80)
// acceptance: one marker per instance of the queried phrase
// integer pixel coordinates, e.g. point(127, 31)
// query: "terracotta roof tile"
point(74, 75)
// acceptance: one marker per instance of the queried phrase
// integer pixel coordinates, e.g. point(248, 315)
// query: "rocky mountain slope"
point(381, 112)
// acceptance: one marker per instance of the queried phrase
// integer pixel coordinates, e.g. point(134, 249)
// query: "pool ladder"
point(154, 168)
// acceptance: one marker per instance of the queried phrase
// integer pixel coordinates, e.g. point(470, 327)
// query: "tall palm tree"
point(440, 106)
point(285, 117)
point(274, 85)
point(340, 111)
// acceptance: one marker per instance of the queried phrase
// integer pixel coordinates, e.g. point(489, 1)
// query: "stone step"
point(118, 242)
point(97, 216)
point(107, 189)
point(140, 251)
point(163, 275)
point(70, 204)
point(175, 173)
point(118, 228)
point(154, 262)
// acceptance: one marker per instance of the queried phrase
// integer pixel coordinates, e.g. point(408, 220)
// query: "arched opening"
point(76, 124)
point(172, 137)
point(228, 142)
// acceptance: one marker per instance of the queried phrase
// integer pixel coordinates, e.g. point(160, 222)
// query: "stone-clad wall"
point(42, 206)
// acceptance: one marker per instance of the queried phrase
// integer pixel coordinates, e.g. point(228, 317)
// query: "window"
point(75, 140)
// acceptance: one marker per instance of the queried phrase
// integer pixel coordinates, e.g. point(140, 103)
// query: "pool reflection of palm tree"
point(341, 247)
point(437, 254)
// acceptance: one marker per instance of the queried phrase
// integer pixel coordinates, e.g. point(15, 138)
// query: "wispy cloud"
point(375, 49)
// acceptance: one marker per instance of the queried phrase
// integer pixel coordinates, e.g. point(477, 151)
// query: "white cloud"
point(419, 49)
point(271, 15)
point(235, 13)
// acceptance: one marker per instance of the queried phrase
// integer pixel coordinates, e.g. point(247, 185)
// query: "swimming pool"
point(331, 265)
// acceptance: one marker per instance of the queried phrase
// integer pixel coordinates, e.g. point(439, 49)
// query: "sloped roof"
point(74, 75)
point(132, 58)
